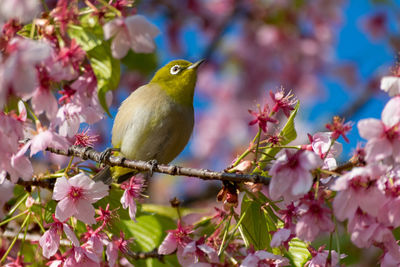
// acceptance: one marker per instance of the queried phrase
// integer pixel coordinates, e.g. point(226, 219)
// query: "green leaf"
point(144, 63)
point(288, 134)
point(298, 252)
point(84, 37)
point(107, 71)
point(50, 209)
point(254, 225)
point(105, 67)
point(148, 233)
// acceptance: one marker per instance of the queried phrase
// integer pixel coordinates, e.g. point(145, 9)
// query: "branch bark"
point(89, 153)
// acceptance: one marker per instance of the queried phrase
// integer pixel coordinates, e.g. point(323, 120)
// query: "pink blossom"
point(71, 55)
point(261, 258)
point(133, 190)
point(262, 118)
point(50, 241)
point(12, 159)
point(390, 212)
point(283, 102)
point(17, 262)
point(391, 85)
point(291, 177)
point(365, 231)
point(314, 218)
point(19, 72)
point(339, 128)
point(68, 118)
point(84, 138)
point(321, 143)
point(133, 32)
point(357, 189)
point(76, 196)
point(43, 100)
point(115, 245)
point(47, 138)
point(281, 236)
point(176, 239)
point(197, 252)
point(383, 136)
point(82, 257)
point(23, 10)
point(320, 258)
point(95, 240)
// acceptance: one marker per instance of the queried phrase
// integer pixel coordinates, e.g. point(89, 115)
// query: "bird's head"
point(178, 79)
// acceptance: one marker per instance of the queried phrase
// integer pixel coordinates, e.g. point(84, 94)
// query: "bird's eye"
point(175, 69)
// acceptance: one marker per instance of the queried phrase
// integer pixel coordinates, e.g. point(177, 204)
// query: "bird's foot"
point(154, 165)
point(105, 155)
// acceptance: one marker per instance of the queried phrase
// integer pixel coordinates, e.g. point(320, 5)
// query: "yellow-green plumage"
point(155, 122)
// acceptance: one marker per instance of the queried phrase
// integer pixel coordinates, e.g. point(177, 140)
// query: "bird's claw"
point(105, 155)
point(154, 165)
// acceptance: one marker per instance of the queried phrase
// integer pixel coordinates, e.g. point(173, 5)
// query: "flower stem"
point(15, 238)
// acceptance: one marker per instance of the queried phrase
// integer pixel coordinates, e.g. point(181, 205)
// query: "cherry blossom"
point(133, 32)
point(262, 118)
point(115, 245)
point(261, 257)
point(321, 258)
point(133, 190)
point(75, 196)
point(382, 135)
point(50, 241)
point(82, 257)
point(23, 10)
point(358, 189)
point(291, 177)
point(314, 218)
point(176, 240)
point(18, 71)
point(197, 252)
point(391, 85)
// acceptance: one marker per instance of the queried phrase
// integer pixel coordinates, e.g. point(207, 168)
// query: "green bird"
point(156, 121)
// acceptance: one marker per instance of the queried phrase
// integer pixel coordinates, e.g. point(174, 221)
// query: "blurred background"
point(330, 53)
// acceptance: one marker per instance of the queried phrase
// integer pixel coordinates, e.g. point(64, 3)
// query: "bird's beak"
point(196, 64)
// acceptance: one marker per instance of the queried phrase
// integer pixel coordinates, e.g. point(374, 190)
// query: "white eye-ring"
point(175, 69)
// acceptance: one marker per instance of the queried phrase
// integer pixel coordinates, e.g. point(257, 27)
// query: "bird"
point(155, 122)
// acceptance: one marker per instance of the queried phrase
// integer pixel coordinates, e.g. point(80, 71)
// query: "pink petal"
point(61, 188)
point(70, 234)
point(85, 212)
point(378, 149)
point(50, 241)
point(112, 254)
point(65, 209)
point(280, 183)
point(370, 128)
point(210, 252)
point(302, 184)
point(279, 237)
point(308, 160)
point(185, 259)
point(391, 112)
point(81, 180)
point(97, 192)
point(391, 85)
point(120, 45)
point(112, 27)
point(168, 245)
point(344, 205)
point(141, 32)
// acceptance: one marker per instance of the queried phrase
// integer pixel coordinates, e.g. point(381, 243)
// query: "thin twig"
point(89, 153)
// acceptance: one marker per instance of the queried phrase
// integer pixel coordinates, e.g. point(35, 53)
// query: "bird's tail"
point(104, 176)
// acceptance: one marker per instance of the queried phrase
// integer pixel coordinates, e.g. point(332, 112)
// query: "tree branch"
point(89, 153)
